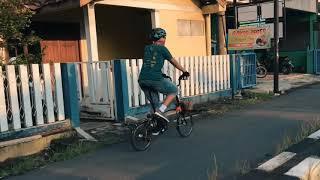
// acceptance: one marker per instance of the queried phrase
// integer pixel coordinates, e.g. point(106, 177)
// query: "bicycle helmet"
point(157, 33)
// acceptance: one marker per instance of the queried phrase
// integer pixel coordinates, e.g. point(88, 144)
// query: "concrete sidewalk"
point(286, 82)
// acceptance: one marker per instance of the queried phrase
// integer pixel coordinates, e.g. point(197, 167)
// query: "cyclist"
point(151, 78)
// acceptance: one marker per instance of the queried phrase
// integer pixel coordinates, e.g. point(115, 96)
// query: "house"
point(111, 29)
point(91, 33)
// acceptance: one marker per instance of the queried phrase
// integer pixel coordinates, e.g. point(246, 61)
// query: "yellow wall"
point(184, 5)
point(122, 31)
point(182, 45)
point(119, 37)
point(122, 28)
point(177, 2)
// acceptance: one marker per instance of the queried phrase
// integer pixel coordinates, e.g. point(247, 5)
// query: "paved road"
point(246, 135)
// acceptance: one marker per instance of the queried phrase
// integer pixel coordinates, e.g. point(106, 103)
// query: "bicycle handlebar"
point(181, 77)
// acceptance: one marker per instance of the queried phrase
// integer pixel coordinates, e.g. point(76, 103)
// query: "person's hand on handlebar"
point(185, 74)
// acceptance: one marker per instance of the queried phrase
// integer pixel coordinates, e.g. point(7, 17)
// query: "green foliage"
point(14, 19)
point(28, 59)
point(15, 31)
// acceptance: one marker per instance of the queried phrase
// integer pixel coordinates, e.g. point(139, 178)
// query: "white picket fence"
point(208, 74)
point(30, 96)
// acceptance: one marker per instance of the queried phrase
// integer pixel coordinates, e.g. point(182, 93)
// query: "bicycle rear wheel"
point(184, 124)
point(141, 137)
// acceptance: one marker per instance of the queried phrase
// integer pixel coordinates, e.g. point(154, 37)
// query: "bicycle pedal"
point(162, 131)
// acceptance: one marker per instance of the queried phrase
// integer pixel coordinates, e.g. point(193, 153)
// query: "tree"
point(15, 21)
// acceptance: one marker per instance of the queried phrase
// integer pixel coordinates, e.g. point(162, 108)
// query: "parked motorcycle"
point(285, 63)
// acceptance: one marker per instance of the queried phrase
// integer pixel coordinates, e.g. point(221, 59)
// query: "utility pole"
point(276, 47)
point(235, 14)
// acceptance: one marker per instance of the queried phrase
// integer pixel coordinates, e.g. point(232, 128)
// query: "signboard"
point(267, 10)
point(247, 13)
point(266, 25)
point(258, 12)
point(271, 27)
point(303, 5)
point(249, 38)
point(261, 15)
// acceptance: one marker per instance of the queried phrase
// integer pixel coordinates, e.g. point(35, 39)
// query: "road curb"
point(287, 90)
point(301, 87)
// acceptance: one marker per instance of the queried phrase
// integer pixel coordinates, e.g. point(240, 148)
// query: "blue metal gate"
point(246, 68)
point(317, 61)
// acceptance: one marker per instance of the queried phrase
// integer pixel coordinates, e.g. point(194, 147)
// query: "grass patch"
point(224, 105)
point(305, 130)
point(243, 167)
point(59, 150)
point(253, 98)
point(213, 172)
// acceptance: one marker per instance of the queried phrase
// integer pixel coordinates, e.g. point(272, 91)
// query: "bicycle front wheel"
point(141, 137)
point(184, 124)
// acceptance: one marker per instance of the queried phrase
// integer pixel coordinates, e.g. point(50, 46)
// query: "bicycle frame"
point(178, 102)
point(144, 130)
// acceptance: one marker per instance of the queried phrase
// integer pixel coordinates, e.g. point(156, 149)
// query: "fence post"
point(310, 62)
point(233, 74)
point(121, 86)
point(313, 54)
point(70, 94)
point(316, 61)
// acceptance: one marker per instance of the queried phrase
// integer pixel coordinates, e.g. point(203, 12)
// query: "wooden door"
point(60, 51)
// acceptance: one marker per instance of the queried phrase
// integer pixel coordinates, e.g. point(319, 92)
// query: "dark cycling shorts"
point(152, 89)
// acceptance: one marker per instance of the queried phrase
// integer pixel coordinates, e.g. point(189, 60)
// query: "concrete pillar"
point(155, 18)
point(222, 33)
point(208, 34)
point(91, 32)
point(84, 58)
point(92, 46)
